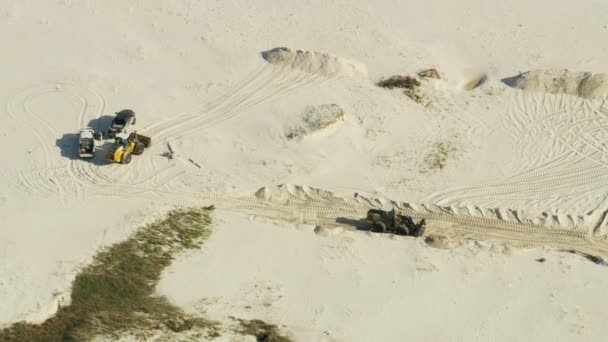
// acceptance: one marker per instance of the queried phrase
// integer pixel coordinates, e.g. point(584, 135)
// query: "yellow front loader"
point(127, 145)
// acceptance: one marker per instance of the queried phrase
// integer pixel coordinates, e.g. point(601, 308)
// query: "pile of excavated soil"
point(584, 84)
point(316, 118)
point(315, 62)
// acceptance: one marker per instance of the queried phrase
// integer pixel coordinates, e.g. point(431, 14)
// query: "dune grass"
point(115, 293)
point(409, 84)
point(439, 155)
point(262, 331)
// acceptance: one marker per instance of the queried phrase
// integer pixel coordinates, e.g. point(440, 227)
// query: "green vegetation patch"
point(437, 158)
point(115, 293)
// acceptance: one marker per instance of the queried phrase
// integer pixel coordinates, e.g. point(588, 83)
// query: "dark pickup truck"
point(123, 120)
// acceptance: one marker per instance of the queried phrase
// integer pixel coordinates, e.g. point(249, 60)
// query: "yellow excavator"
point(126, 145)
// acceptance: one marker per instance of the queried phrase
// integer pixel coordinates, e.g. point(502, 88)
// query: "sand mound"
point(286, 192)
point(594, 86)
point(441, 242)
point(316, 118)
point(472, 79)
point(583, 84)
point(319, 230)
point(315, 62)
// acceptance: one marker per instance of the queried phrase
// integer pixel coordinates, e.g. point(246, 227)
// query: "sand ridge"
point(315, 62)
point(584, 84)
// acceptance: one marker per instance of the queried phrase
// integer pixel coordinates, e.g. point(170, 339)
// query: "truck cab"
point(121, 123)
point(86, 143)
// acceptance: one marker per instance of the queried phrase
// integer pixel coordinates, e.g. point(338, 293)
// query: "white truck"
point(86, 142)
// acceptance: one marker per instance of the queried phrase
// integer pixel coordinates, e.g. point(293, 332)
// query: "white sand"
point(195, 75)
point(342, 287)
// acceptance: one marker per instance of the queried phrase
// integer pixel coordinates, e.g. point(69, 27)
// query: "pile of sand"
point(584, 84)
point(315, 119)
point(292, 192)
point(315, 62)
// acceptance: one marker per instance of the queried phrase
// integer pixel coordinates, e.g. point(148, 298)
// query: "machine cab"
point(121, 139)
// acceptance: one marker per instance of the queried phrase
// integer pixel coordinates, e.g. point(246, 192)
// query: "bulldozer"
point(126, 145)
point(381, 221)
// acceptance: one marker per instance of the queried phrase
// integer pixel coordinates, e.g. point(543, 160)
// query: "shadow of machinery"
point(101, 123)
point(68, 146)
point(511, 81)
point(357, 224)
point(413, 229)
point(68, 143)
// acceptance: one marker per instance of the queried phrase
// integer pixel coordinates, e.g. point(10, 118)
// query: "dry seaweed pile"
point(409, 84)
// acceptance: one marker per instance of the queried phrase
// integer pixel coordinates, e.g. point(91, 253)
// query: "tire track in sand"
point(313, 206)
point(562, 156)
point(83, 176)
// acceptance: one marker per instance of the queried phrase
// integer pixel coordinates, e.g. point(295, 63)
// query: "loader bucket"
point(147, 141)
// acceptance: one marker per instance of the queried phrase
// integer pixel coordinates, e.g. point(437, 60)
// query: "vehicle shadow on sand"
point(101, 123)
point(511, 81)
point(68, 143)
point(357, 224)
